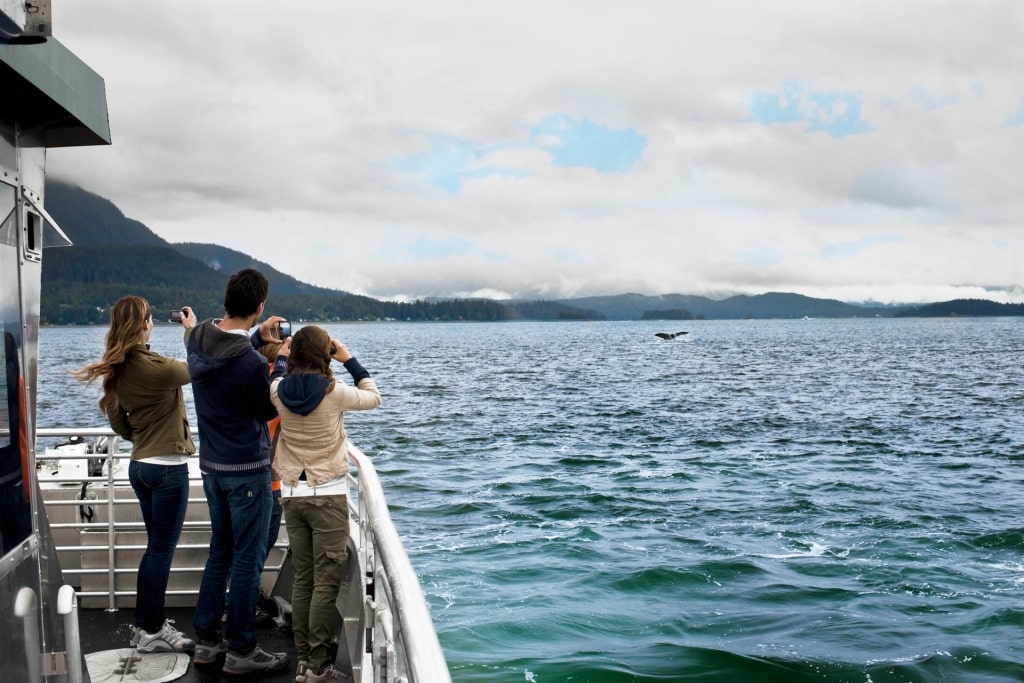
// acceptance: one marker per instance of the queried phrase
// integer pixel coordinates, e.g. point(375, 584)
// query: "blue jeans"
point(239, 514)
point(162, 491)
point(275, 520)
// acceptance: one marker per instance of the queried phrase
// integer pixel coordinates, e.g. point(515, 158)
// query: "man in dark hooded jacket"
point(231, 386)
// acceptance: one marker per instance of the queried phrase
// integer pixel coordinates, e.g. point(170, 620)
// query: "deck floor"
point(102, 630)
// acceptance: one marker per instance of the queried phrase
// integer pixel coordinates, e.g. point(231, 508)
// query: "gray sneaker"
point(207, 653)
point(301, 670)
point(328, 675)
point(257, 660)
point(167, 639)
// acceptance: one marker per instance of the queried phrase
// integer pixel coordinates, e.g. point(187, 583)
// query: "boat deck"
point(103, 630)
point(94, 528)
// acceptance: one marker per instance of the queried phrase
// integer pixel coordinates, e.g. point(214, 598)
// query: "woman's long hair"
point(127, 323)
point(311, 352)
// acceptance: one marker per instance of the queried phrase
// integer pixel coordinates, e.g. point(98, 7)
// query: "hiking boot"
point(257, 660)
point(328, 675)
point(167, 639)
point(208, 652)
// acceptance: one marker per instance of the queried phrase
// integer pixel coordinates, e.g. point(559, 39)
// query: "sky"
point(856, 150)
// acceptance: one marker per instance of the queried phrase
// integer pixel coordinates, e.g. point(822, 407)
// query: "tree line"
point(80, 284)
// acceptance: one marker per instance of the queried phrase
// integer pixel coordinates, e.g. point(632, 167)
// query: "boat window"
point(15, 511)
point(43, 230)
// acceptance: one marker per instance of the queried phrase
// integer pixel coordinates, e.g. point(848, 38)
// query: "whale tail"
point(669, 335)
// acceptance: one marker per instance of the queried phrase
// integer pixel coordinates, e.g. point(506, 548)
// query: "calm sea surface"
point(808, 500)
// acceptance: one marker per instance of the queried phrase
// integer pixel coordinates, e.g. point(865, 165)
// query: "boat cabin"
point(48, 98)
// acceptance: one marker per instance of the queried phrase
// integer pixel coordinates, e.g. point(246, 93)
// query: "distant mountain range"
point(113, 255)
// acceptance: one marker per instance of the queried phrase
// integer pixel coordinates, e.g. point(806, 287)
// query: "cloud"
point(424, 249)
point(566, 141)
point(523, 149)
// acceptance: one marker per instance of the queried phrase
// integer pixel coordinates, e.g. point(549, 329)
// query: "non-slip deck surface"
point(102, 630)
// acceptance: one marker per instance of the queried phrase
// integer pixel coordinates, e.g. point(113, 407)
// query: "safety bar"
point(112, 525)
point(67, 607)
point(411, 622)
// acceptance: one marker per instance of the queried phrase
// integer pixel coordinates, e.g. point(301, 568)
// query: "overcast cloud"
point(851, 150)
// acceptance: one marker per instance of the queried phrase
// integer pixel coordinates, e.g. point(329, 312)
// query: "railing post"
point(67, 606)
point(111, 553)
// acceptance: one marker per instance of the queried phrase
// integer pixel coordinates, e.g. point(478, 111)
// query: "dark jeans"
point(162, 491)
point(239, 514)
point(276, 511)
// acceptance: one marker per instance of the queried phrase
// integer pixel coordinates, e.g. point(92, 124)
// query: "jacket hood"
point(211, 348)
point(302, 392)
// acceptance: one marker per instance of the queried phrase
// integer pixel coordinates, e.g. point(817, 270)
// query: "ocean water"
point(807, 500)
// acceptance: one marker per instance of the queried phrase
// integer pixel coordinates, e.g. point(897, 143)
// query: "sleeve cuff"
point(357, 371)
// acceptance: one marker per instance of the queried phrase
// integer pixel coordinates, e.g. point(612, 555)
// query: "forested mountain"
point(963, 308)
point(91, 220)
point(113, 255)
point(80, 283)
point(229, 261)
point(680, 306)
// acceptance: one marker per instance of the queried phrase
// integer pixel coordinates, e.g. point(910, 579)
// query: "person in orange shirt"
point(264, 615)
point(269, 351)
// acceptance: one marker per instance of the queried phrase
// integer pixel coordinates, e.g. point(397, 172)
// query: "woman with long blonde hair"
point(143, 400)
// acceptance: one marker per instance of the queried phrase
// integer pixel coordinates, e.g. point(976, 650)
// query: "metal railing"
point(111, 491)
point(404, 631)
point(402, 641)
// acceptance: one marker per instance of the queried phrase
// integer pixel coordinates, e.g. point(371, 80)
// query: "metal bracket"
point(53, 664)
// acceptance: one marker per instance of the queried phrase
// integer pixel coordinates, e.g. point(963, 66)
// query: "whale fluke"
point(669, 335)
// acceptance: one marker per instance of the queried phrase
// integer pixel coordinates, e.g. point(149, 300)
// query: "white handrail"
point(67, 607)
point(424, 655)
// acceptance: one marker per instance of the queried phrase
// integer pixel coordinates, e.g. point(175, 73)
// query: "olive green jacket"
point(150, 408)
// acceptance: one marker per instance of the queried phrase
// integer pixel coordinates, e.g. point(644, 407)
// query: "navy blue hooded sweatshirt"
point(302, 392)
point(232, 393)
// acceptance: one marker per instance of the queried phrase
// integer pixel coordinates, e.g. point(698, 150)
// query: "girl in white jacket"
point(312, 461)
